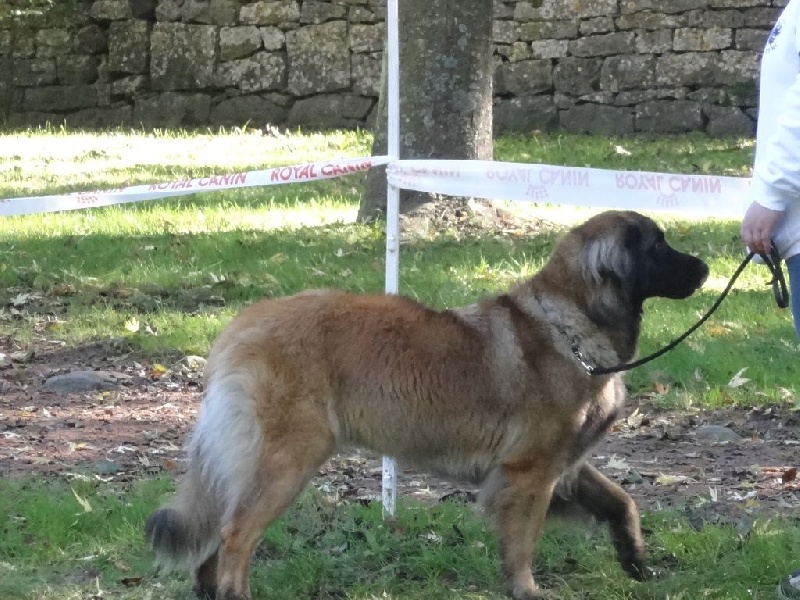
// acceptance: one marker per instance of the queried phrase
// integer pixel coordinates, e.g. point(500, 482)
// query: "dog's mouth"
point(703, 276)
point(691, 279)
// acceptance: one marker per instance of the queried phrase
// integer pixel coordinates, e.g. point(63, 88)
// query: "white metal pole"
point(389, 481)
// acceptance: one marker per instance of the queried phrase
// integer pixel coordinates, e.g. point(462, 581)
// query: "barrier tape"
point(698, 195)
point(137, 193)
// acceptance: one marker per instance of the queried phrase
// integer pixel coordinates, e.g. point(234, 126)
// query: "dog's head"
point(624, 255)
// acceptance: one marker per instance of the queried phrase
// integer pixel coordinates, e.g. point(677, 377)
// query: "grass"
point(82, 539)
point(167, 275)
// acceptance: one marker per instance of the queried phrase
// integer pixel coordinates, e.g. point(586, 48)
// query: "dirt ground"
point(138, 425)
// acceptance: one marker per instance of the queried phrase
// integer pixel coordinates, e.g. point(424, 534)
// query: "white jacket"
point(776, 170)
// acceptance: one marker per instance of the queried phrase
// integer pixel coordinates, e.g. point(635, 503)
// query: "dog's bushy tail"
point(185, 532)
point(223, 455)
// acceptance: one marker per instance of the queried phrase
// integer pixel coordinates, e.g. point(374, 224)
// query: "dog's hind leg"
point(516, 497)
point(205, 578)
point(608, 502)
point(288, 461)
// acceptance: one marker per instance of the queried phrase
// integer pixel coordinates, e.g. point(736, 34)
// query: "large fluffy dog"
point(492, 393)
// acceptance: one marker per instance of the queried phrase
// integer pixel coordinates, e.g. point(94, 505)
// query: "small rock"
point(633, 477)
point(106, 467)
point(716, 433)
point(194, 362)
point(85, 381)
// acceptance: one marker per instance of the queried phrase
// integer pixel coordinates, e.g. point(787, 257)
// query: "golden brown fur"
point(491, 393)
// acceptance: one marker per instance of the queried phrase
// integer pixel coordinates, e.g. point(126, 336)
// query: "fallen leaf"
point(20, 300)
point(789, 475)
point(132, 325)
point(618, 463)
point(670, 479)
point(24, 356)
point(82, 501)
point(661, 388)
point(157, 371)
point(715, 329)
point(738, 380)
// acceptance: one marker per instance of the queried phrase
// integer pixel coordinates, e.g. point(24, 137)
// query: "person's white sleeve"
point(776, 176)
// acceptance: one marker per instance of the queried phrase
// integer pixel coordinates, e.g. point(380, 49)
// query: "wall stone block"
point(172, 109)
point(596, 25)
point(341, 111)
point(688, 69)
point(505, 32)
point(750, 39)
point(728, 121)
point(273, 38)
point(318, 58)
point(90, 39)
point(702, 40)
point(128, 46)
point(662, 116)
point(237, 42)
point(366, 73)
point(270, 13)
point(367, 38)
point(182, 56)
point(602, 45)
point(541, 30)
point(111, 10)
point(628, 72)
point(77, 69)
point(577, 76)
point(34, 72)
point(168, 11)
point(254, 110)
point(524, 77)
point(127, 87)
point(224, 13)
point(360, 14)
point(548, 49)
point(313, 12)
point(653, 42)
point(598, 119)
point(260, 72)
point(60, 98)
point(52, 42)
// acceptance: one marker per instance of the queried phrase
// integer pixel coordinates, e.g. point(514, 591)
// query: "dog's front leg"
point(608, 502)
point(516, 497)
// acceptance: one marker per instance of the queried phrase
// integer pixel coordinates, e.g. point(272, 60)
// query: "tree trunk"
point(445, 92)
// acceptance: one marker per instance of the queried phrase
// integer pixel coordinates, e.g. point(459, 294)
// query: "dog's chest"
point(597, 418)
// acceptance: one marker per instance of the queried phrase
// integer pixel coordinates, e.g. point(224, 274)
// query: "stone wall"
point(599, 66)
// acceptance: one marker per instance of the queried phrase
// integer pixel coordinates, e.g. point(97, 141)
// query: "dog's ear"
point(609, 257)
point(608, 269)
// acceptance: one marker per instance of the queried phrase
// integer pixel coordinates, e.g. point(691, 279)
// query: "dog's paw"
point(531, 592)
point(203, 592)
point(642, 572)
point(654, 573)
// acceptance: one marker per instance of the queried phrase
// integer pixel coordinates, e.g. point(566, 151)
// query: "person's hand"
point(757, 227)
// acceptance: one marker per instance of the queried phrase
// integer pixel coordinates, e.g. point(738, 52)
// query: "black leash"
point(778, 289)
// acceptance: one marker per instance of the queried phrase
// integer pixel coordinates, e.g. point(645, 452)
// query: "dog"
point(491, 393)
